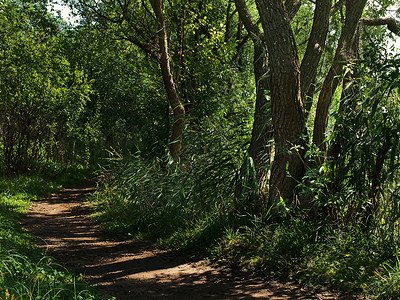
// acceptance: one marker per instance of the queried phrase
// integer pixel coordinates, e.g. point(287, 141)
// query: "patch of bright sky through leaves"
point(65, 12)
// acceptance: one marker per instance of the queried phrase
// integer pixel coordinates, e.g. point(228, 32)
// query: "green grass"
point(346, 259)
point(26, 272)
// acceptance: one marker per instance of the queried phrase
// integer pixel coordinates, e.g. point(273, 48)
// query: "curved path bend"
point(127, 269)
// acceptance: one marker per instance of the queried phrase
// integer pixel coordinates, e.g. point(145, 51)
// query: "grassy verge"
point(26, 272)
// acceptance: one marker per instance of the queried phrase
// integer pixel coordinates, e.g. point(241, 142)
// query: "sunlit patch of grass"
point(38, 277)
point(33, 186)
point(387, 281)
point(178, 227)
point(27, 187)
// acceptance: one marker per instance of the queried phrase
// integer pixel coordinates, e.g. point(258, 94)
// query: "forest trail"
point(128, 269)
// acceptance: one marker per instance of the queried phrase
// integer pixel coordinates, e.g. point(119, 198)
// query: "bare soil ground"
point(127, 269)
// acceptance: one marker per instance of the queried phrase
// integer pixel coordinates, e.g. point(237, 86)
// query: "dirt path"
point(134, 269)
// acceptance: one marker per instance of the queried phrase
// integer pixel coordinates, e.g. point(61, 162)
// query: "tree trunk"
point(315, 47)
point(354, 9)
point(262, 132)
point(286, 103)
point(261, 135)
point(170, 87)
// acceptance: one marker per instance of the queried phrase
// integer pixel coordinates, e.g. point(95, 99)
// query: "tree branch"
point(247, 19)
point(392, 24)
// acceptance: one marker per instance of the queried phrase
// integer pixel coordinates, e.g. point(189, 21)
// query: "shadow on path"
point(128, 269)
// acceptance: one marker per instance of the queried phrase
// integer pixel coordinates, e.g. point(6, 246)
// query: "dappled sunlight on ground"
point(134, 269)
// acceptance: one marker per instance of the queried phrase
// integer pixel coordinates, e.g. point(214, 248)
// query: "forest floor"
point(127, 269)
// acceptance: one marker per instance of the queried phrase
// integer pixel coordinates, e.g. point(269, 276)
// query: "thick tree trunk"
point(288, 118)
point(354, 9)
point(287, 107)
point(172, 93)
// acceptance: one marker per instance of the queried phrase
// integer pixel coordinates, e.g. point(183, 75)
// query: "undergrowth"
point(314, 254)
point(193, 210)
point(27, 272)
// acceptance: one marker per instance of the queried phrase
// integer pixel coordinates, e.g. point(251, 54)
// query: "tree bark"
point(390, 23)
point(259, 149)
point(247, 19)
point(178, 109)
point(354, 9)
point(315, 45)
point(292, 7)
point(286, 103)
point(262, 132)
